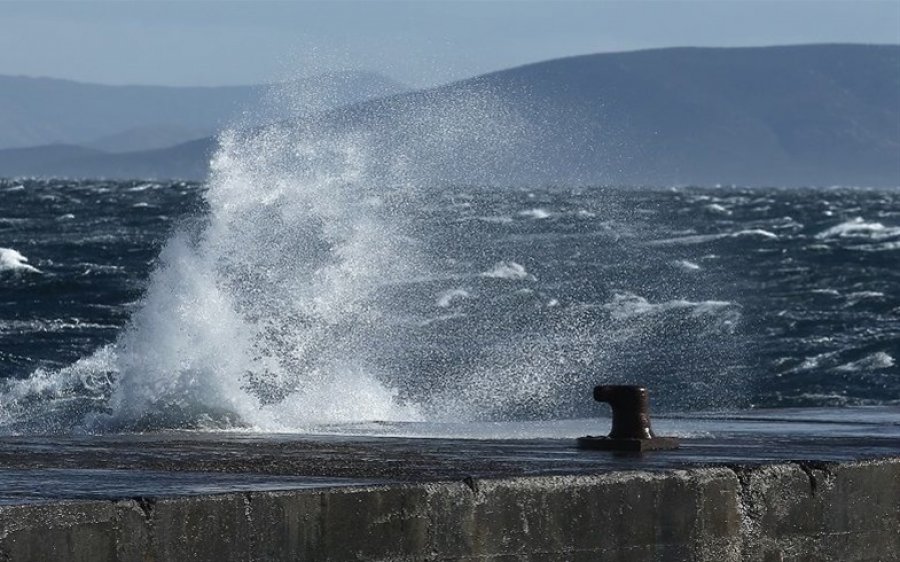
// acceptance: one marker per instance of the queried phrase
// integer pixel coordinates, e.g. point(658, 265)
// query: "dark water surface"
point(715, 298)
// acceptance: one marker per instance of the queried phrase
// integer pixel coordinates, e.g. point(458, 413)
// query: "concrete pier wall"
point(841, 512)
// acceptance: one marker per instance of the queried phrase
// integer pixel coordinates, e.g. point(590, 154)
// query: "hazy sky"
point(215, 42)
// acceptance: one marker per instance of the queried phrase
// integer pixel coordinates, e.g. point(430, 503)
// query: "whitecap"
point(716, 208)
point(508, 270)
point(832, 399)
point(859, 228)
point(536, 214)
point(704, 238)
point(446, 298)
point(629, 305)
point(859, 296)
point(687, 265)
point(144, 187)
point(687, 240)
point(873, 362)
point(866, 295)
point(754, 232)
point(830, 292)
point(11, 260)
point(816, 361)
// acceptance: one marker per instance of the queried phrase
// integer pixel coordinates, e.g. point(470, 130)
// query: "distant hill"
point(799, 115)
point(188, 160)
point(46, 111)
point(23, 161)
point(147, 138)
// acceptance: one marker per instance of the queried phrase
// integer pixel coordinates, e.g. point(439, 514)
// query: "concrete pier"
point(744, 496)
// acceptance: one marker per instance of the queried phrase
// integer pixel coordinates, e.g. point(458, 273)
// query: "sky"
point(422, 43)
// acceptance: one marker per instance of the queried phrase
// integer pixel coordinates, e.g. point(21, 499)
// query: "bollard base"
point(600, 443)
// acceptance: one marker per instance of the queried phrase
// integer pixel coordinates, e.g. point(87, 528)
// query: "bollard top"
point(619, 392)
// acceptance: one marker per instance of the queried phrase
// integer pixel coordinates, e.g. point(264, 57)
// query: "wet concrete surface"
point(185, 463)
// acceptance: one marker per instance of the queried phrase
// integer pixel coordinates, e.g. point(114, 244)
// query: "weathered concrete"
point(807, 488)
point(822, 512)
point(847, 511)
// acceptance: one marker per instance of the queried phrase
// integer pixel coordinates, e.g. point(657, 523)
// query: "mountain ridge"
point(37, 111)
point(823, 114)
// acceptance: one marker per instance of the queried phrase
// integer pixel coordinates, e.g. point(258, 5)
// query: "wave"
point(269, 311)
point(628, 305)
point(704, 238)
point(859, 228)
point(719, 209)
point(687, 265)
point(536, 213)
point(13, 261)
point(446, 298)
point(861, 296)
point(508, 270)
point(259, 315)
point(873, 362)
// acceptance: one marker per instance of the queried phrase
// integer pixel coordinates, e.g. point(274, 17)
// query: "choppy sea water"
point(142, 305)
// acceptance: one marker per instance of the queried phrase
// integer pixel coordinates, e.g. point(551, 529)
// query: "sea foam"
point(507, 270)
point(13, 261)
point(265, 313)
point(859, 228)
point(264, 316)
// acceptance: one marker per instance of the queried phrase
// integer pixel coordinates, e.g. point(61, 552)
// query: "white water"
point(266, 319)
point(508, 270)
point(858, 228)
point(11, 260)
point(264, 315)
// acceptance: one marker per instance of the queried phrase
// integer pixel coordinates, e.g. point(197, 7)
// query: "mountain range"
point(47, 111)
point(794, 115)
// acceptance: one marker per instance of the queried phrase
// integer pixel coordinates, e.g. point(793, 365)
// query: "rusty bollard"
point(631, 429)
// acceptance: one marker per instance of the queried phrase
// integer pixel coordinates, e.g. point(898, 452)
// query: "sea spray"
point(603, 301)
point(265, 300)
point(342, 272)
point(266, 317)
point(12, 261)
point(266, 312)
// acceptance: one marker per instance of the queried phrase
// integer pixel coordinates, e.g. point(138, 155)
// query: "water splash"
point(13, 261)
point(327, 284)
point(268, 314)
point(264, 313)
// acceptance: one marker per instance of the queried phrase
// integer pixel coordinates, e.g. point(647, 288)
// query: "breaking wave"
point(860, 229)
point(13, 261)
point(507, 270)
point(265, 313)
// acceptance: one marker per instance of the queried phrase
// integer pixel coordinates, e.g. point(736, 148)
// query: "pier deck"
point(804, 485)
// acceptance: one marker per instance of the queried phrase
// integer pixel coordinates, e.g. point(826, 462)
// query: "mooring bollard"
point(631, 429)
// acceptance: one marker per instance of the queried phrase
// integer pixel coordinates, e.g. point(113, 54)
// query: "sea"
point(331, 277)
point(281, 301)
